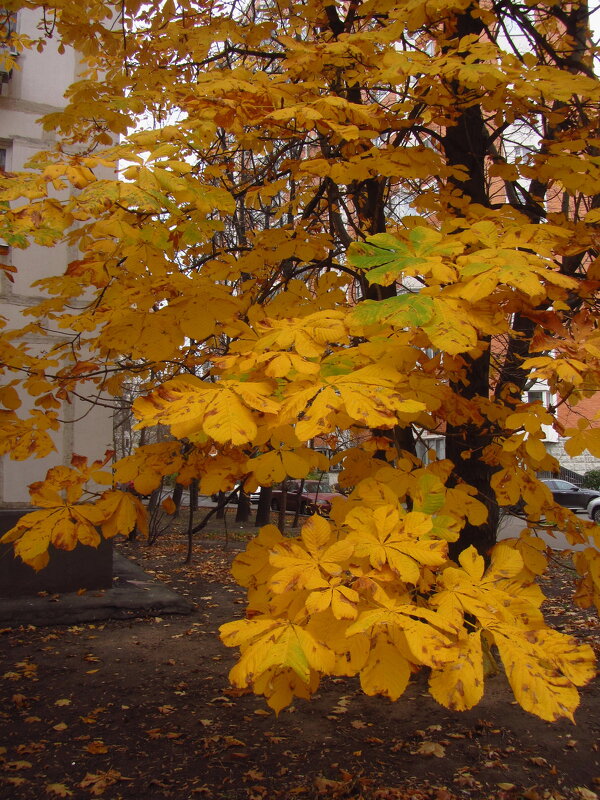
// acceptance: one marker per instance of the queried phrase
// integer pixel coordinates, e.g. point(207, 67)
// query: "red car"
point(315, 497)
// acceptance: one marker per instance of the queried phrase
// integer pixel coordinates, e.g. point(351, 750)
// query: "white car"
point(593, 509)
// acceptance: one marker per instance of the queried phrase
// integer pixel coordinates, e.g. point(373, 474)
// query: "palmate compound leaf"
point(587, 563)
point(280, 644)
point(459, 684)
point(424, 636)
point(493, 595)
point(341, 599)
point(120, 513)
point(222, 410)
point(280, 686)
point(351, 652)
point(542, 665)
point(307, 565)
point(450, 328)
point(404, 311)
point(148, 465)
point(386, 258)
point(276, 465)
point(543, 668)
point(252, 568)
point(386, 671)
point(384, 536)
point(63, 526)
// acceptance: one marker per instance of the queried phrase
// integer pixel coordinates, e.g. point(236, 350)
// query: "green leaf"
point(407, 310)
point(385, 258)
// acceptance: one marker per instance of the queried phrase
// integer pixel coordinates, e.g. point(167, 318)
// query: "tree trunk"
point(243, 510)
point(192, 508)
point(282, 508)
point(465, 144)
point(298, 504)
point(221, 509)
point(263, 511)
point(177, 495)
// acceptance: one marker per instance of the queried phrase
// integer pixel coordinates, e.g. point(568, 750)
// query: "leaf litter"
point(160, 721)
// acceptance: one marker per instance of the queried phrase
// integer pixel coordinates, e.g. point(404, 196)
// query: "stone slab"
point(133, 594)
point(69, 570)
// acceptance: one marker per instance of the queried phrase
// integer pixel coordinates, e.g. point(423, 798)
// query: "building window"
point(429, 445)
point(8, 26)
point(3, 168)
point(539, 396)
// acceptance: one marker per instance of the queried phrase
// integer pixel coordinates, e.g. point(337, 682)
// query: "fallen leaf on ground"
point(59, 789)
point(97, 746)
point(19, 699)
point(430, 749)
point(98, 782)
point(586, 794)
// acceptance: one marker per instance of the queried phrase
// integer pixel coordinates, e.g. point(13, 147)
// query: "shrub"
point(591, 479)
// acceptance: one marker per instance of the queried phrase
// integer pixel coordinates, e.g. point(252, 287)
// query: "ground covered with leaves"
point(142, 709)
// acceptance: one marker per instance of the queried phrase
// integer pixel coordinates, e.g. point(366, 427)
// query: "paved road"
point(512, 526)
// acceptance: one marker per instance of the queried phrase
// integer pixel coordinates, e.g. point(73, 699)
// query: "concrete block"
point(69, 570)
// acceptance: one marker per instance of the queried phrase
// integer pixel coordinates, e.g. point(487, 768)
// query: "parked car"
point(315, 497)
point(571, 496)
point(593, 510)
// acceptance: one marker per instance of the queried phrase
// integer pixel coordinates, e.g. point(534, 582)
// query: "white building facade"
point(33, 89)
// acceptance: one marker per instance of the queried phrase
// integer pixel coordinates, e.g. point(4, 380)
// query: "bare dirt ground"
point(142, 709)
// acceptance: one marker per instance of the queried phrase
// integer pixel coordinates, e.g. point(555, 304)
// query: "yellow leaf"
point(450, 329)
point(428, 636)
point(58, 789)
point(341, 599)
point(268, 468)
point(283, 645)
point(430, 749)
point(315, 534)
point(145, 468)
point(459, 685)
point(383, 536)
point(295, 466)
point(472, 563)
point(226, 419)
point(168, 505)
point(9, 398)
point(121, 512)
point(253, 567)
point(96, 747)
point(543, 668)
point(318, 418)
point(386, 672)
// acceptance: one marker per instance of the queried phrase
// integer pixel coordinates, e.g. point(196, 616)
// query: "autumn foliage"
point(376, 219)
